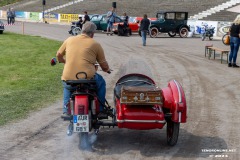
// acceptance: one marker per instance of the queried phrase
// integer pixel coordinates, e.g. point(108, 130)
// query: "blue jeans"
point(234, 46)
point(110, 26)
point(101, 91)
point(144, 37)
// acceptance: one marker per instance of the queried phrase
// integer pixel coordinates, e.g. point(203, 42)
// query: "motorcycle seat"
point(80, 81)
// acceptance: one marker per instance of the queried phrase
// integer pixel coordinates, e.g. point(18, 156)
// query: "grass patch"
point(27, 80)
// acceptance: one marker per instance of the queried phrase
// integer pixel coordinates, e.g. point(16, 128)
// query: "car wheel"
point(172, 34)
point(183, 32)
point(1, 32)
point(153, 32)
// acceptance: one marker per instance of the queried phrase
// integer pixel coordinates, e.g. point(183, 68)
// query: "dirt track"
point(212, 91)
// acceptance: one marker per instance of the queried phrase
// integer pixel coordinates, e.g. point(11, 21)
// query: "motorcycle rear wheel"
point(84, 142)
point(84, 136)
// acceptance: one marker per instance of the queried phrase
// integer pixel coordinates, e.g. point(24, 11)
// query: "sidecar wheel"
point(172, 132)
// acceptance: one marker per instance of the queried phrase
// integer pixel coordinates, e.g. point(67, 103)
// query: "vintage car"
point(101, 21)
point(170, 22)
point(1, 27)
point(134, 23)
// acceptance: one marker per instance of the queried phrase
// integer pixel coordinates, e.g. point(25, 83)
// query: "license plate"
point(80, 123)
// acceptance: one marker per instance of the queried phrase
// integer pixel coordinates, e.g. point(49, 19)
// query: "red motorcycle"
point(138, 104)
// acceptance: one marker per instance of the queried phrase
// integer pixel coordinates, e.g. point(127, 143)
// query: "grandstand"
point(132, 7)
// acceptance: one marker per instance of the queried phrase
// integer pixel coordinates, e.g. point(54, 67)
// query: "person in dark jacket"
point(86, 17)
point(125, 20)
point(144, 26)
point(234, 42)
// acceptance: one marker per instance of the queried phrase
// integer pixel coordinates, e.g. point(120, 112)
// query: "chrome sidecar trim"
point(179, 92)
point(140, 121)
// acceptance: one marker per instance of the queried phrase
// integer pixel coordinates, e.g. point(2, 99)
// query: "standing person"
point(79, 54)
point(12, 16)
point(9, 15)
point(125, 20)
point(110, 20)
point(234, 42)
point(144, 26)
point(85, 18)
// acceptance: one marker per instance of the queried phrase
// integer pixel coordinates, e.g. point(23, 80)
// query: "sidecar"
point(140, 104)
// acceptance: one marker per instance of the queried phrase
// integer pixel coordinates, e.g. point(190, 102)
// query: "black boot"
point(229, 64)
point(235, 66)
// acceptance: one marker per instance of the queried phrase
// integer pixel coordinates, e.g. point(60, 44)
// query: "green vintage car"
point(101, 21)
point(170, 22)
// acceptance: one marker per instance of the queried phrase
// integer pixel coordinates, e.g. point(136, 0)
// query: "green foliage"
point(27, 80)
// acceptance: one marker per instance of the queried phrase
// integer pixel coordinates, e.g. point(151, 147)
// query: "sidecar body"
point(142, 105)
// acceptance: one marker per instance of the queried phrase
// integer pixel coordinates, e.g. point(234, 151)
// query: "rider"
point(79, 22)
point(79, 54)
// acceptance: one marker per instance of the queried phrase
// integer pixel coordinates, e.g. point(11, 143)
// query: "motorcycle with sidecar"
point(138, 104)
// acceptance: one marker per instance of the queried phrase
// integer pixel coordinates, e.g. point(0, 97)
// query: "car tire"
point(172, 34)
point(153, 32)
point(183, 32)
point(1, 32)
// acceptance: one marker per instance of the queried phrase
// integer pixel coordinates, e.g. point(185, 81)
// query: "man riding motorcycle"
point(79, 54)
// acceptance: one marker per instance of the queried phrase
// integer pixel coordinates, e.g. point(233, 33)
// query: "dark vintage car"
point(1, 27)
point(101, 21)
point(170, 22)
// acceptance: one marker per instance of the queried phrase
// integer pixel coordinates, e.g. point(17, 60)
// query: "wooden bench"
point(207, 48)
point(214, 49)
